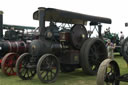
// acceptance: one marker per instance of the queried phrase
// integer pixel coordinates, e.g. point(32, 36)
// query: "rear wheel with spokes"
point(92, 53)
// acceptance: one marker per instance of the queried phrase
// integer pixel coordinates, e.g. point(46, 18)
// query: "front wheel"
point(23, 67)
point(48, 68)
point(108, 73)
point(8, 64)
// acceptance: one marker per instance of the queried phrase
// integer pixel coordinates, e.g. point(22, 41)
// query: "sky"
point(20, 12)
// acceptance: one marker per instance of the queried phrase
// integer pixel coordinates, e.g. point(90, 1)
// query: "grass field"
point(74, 78)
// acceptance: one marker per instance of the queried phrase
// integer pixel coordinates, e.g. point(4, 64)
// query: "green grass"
point(74, 78)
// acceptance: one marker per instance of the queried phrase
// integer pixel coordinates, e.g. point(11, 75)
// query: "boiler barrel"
point(17, 46)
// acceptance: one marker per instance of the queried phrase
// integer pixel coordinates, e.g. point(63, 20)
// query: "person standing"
point(121, 36)
point(110, 49)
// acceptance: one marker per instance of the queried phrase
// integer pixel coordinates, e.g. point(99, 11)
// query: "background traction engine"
point(60, 47)
point(10, 50)
point(12, 44)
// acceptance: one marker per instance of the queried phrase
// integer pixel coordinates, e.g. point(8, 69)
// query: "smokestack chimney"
point(1, 25)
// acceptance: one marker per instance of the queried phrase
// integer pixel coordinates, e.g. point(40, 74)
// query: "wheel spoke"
point(53, 72)
point(51, 61)
point(25, 73)
point(46, 61)
point(6, 68)
point(42, 72)
point(22, 70)
point(12, 70)
point(45, 75)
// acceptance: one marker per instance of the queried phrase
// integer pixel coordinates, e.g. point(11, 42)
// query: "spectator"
point(121, 36)
point(110, 48)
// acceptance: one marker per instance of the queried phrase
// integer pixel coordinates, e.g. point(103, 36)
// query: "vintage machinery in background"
point(12, 43)
point(109, 71)
point(114, 39)
point(64, 44)
point(20, 32)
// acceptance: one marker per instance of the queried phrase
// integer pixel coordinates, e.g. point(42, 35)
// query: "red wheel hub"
point(8, 64)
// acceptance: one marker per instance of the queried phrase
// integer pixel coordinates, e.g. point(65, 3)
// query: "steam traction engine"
point(63, 45)
point(11, 46)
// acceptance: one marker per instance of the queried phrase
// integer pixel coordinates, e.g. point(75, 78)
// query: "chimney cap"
point(1, 12)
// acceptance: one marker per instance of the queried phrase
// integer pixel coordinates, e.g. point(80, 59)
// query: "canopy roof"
point(57, 15)
point(17, 27)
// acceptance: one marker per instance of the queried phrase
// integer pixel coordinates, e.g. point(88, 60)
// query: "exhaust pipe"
point(1, 25)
